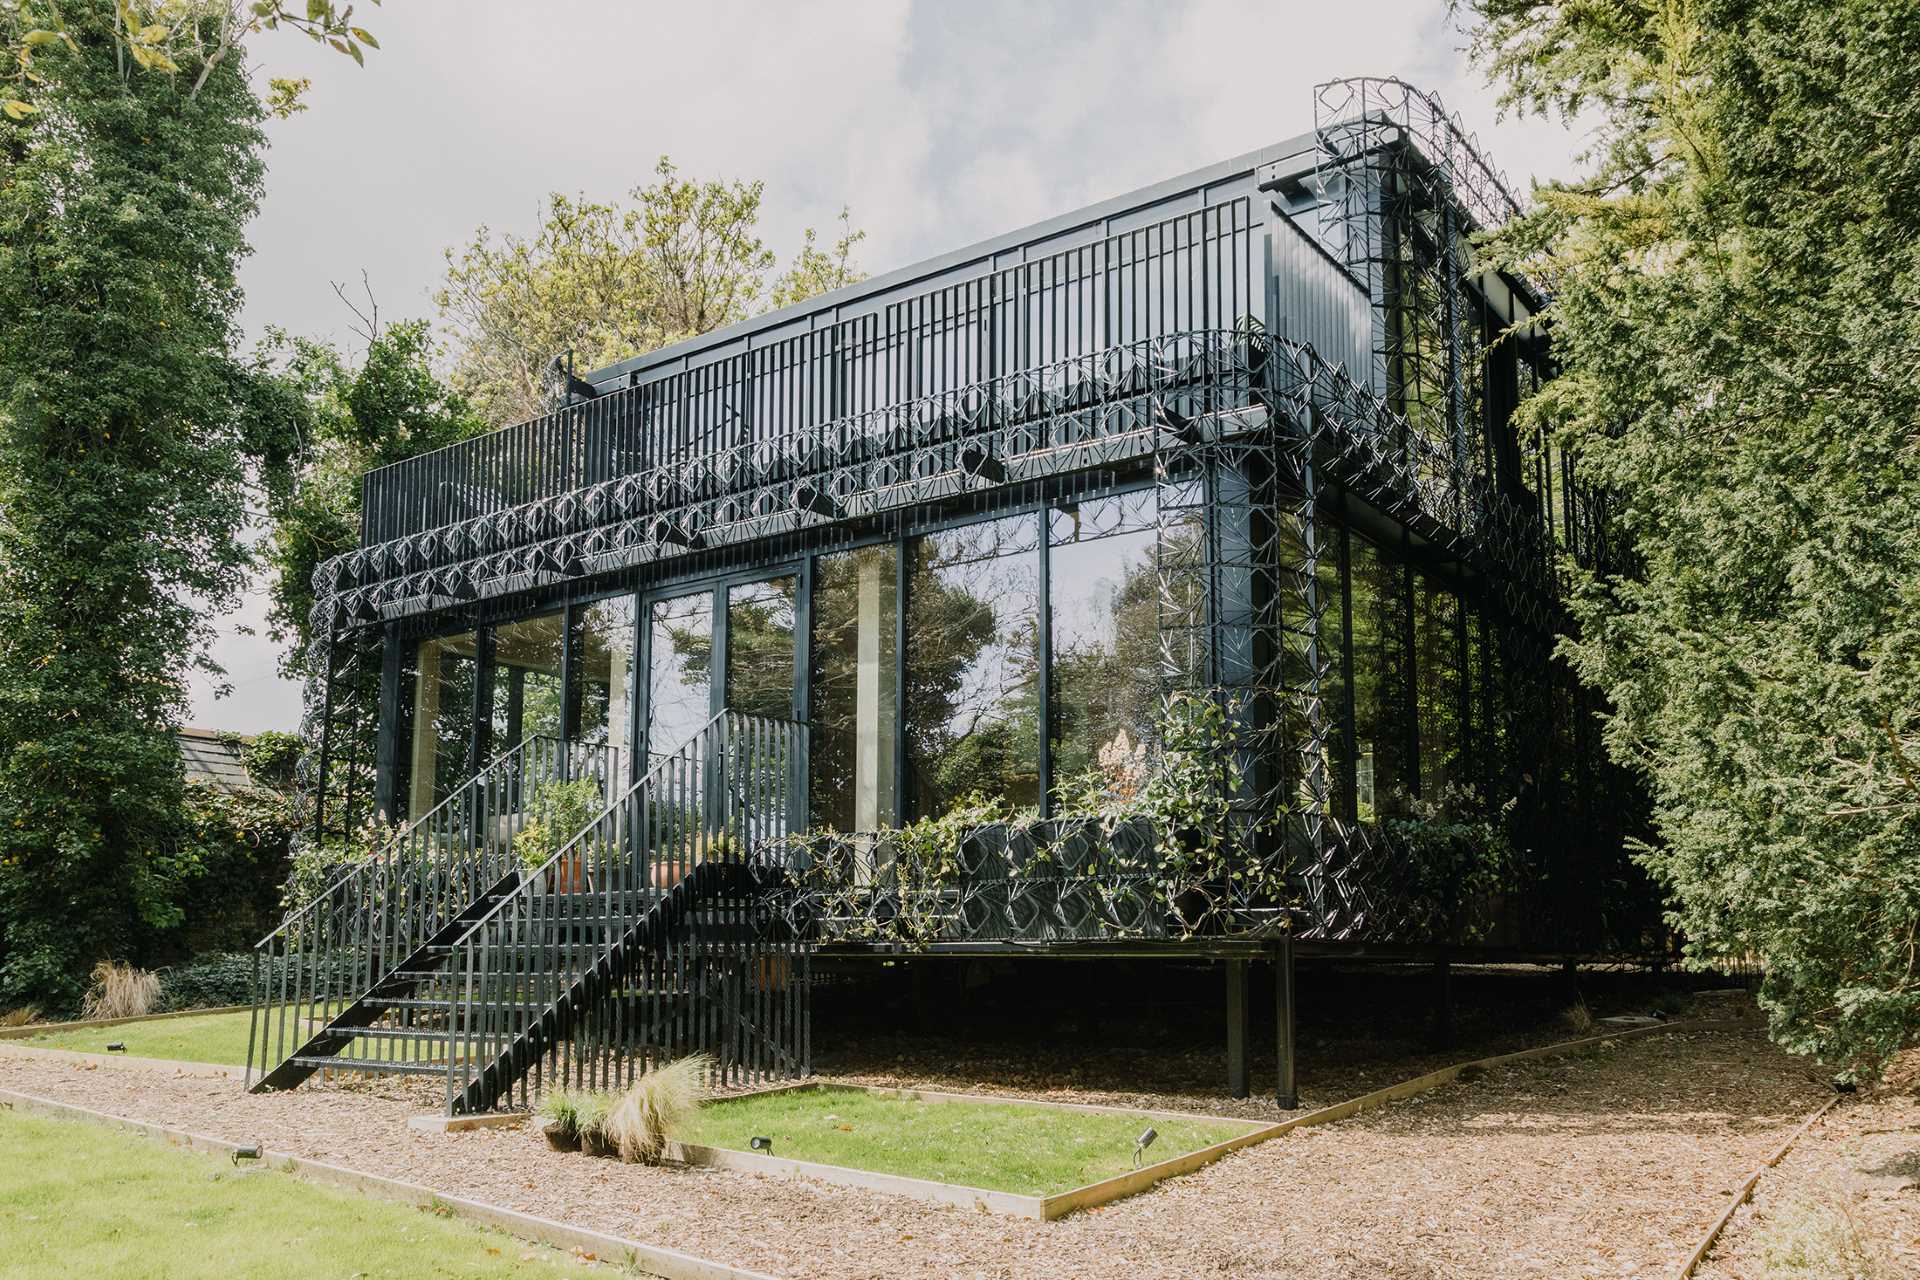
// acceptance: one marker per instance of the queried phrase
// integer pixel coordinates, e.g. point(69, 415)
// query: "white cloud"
point(940, 123)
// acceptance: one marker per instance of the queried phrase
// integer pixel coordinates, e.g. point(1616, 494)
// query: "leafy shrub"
point(270, 759)
point(558, 812)
point(657, 1105)
point(231, 862)
point(208, 982)
point(317, 864)
point(120, 991)
point(1450, 857)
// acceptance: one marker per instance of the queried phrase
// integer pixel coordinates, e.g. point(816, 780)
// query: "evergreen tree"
point(1735, 287)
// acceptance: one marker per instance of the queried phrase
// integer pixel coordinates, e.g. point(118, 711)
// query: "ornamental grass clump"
point(561, 1111)
point(656, 1108)
point(593, 1111)
point(120, 991)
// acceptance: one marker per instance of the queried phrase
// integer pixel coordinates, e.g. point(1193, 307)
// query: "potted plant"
point(561, 1112)
point(557, 813)
point(593, 1110)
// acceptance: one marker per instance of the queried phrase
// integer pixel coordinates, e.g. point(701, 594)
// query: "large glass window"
point(1381, 732)
point(760, 653)
point(527, 692)
point(1103, 594)
point(445, 685)
point(605, 662)
point(972, 694)
point(855, 689)
point(679, 670)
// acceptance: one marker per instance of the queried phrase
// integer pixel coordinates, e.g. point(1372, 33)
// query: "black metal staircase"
point(658, 930)
point(342, 972)
point(674, 936)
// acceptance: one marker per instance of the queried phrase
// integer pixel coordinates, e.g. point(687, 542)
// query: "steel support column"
point(1237, 1028)
point(1285, 1091)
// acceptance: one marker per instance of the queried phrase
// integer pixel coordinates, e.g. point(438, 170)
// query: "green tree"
point(1735, 284)
point(125, 429)
point(606, 281)
point(345, 421)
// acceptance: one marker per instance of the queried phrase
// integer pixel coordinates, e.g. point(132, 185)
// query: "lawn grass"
point(219, 1038)
point(80, 1200)
point(1033, 1151)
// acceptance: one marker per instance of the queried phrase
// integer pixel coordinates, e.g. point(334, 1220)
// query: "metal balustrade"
point(773, 403)
point(313, 974)
point(660, 929)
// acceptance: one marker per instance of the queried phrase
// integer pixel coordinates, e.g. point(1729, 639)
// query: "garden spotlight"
point(1141, 1143)
point(761, 1144)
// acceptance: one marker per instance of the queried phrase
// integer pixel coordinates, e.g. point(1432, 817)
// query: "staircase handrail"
point(380, 910)
point(400, 833)
point(702, 762)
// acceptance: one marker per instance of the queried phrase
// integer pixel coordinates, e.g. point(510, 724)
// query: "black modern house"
point(1165, 579)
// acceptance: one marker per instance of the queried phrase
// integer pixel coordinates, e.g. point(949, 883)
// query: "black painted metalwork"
point(1171, 354)
point(334, 975)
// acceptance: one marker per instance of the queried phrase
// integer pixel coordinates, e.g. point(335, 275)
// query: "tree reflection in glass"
point(972, 713)
point(855, 689)
point(527, 694)
point(1104, 596)
point(446, 674)
point(760, 647)
point(605, 663)
point(679, 679)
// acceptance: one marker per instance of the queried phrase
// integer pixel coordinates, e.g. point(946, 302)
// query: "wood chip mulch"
point(1608, 1164)
point(1852, 1178)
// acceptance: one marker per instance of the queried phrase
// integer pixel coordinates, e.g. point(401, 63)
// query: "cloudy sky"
point(940, 123)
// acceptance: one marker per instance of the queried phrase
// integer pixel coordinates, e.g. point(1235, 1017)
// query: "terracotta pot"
point(570, 875)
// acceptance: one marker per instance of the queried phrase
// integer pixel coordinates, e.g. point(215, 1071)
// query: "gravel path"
point(1851, 1183)
point(1605, 1165)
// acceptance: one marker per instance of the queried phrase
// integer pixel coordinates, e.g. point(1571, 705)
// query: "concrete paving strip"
point(652, 1259)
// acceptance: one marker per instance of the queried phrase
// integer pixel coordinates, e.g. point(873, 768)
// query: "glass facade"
point(973, 664)
point(760, 646)
point(604, 641)
point(1103, 603)
point(446, 686)
point(920, 701)
point(528, 696)
point(679, 671)
point(855, 687)
point(1438, 643)
point(1382, 731)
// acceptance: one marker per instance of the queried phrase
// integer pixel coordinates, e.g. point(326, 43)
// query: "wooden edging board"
point(1122, 1185)
point(1740, 1197)
point(653, 1259)
point(29, 1030)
